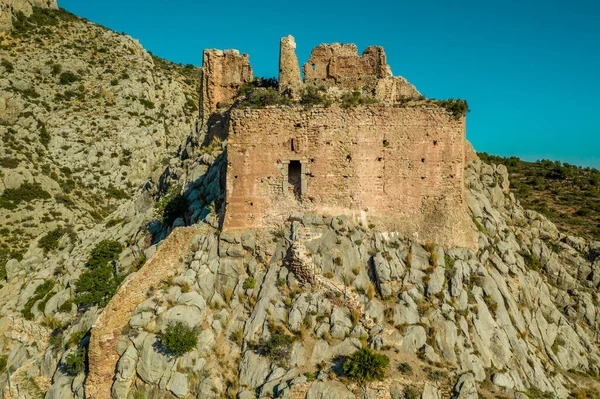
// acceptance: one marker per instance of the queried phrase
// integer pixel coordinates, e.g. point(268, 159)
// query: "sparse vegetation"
point(249, 283)
point(75, 361)
point(41, 293)
point(458, 108)
point(263, 97)
point(553, 188)
point(352, 99)
point(27, 192)
point(68, 77)
point(313, 95)
point(277, 348)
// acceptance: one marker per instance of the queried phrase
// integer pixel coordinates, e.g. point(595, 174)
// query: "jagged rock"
point(254, 370)
point(431, 392)
point(465, 387)
point(178, 385)
point(329, 390)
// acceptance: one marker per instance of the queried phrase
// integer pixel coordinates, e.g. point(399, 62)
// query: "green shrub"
point(27, 192)
point(44, 135)
point(411, 393)
point(49, 242)
point(75, 361)
point(179, 338)
point(66, 306)
point(366, 365)
point(531, 261)
point(117, 193)
point(356, 98)
point(3, 363)
point(312, 95)
point(68, 77)
point(9, 163)
point(8, 66)
point(146, 103)
point(41, 293)
point(99, 283)
point(405, 369)
point(262, 97)
point(249, 283)
point(175, 207)
point(458, 108)
point(39, 18)
point(277, 348)
point(258, 82)
point(76, 338)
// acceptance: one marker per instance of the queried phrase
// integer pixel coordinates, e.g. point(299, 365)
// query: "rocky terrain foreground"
point(104, 184)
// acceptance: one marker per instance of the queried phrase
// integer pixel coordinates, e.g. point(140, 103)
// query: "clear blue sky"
point(530, 69)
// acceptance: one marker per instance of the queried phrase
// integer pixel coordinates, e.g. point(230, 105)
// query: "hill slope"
point(99, 143)
point(87, 116)
point(568, 195)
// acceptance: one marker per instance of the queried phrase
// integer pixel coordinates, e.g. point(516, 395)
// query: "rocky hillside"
point(108, 294)
point(87, 116)
point(568, 195)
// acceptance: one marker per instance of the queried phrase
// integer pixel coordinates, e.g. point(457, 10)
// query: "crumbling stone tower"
point(223, 73)
point(397, 163)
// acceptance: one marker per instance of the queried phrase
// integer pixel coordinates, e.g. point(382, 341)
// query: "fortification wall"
point(401, 168)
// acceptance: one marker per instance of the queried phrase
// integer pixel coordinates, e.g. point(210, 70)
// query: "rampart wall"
point(401, 168)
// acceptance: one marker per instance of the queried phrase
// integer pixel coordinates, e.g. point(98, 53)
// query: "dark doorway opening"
point(295, 177)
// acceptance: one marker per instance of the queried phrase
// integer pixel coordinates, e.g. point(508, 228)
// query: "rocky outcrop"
point(102, 353)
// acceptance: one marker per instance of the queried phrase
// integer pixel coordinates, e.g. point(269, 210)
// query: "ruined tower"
point(290, 80)
point(223, 73)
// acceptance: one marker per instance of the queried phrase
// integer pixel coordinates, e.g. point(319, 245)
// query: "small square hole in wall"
point(314, 67)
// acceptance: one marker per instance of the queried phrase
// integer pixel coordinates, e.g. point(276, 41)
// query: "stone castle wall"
point(401, 168)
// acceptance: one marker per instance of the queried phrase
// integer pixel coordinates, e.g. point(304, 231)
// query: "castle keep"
point(397, 162)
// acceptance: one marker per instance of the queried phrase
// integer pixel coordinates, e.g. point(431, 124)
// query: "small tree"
point(366, 365)
point(75, 361)
point(179, 338)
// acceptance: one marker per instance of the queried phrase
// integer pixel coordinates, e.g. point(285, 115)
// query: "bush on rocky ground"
point(179, 339)
point(366, 365)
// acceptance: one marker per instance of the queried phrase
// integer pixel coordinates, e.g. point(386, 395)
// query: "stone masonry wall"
point(339, 65)
point(401, 168)
point(223, 73)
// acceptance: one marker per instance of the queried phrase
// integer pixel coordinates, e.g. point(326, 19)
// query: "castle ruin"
point(397, 162)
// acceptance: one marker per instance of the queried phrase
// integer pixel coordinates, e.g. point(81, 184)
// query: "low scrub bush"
point(366, 365)
point(313, 95)
point(458, 108)
point(178, 339)
point(277, 348)
point(75, 361)
point(27, 192)
point(100, 281)
point(41, 293)
point(263, 97)
point(49, 242)
point(356, 98)
point(68, 77)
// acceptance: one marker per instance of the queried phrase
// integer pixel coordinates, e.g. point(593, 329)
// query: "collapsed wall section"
point(399, 167)
point(339, 65)
point(223, 73)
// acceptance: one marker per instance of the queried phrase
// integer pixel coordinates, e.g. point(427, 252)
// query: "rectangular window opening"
point(295, 177)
